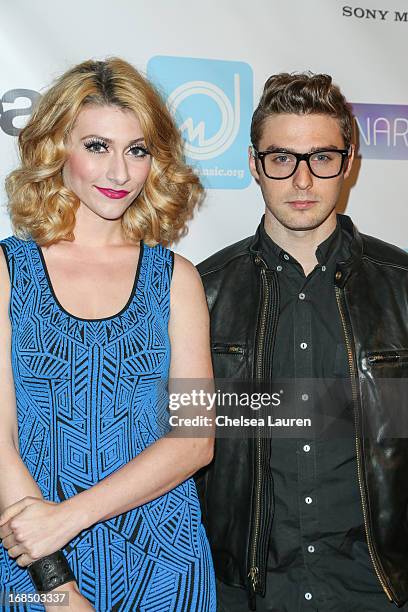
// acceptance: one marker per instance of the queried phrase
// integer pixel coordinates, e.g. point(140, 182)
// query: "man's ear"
point(349, 161)
point(252, 164)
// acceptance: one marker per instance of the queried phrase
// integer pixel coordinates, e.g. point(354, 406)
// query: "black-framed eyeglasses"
point(279, 164)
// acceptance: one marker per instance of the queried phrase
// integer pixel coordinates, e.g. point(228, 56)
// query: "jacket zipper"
point(254, 569)
point(383, 358)
point(358, 448)
point(228, 349)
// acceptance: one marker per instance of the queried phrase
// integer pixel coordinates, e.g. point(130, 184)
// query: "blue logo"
point(212, 102)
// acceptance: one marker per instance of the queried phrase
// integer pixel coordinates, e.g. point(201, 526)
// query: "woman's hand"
point(33, 528)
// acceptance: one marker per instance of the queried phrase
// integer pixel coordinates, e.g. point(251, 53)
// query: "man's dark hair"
point(302, 94)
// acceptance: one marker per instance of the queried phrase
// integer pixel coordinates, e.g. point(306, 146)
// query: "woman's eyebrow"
point(109, 140)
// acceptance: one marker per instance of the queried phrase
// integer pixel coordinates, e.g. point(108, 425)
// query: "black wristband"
point(50, 572)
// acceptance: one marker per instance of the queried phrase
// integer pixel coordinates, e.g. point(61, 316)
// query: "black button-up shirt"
point(318, 554)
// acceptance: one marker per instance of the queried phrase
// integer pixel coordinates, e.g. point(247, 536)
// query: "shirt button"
point(323, 268)
point(305, 397)
point(286, 256)
point(306, 448)
point(279, 268)
point(311, 549)
point(308, 500)
point(308, 596)
point(303, 345)
point(301, 296)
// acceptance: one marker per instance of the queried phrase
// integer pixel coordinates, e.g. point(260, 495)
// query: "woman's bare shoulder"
point(185, 272)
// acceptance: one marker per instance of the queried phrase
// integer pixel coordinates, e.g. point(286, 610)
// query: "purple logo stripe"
point(383, 130)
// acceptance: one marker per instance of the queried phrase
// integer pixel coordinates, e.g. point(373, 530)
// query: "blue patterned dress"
point(91, 395)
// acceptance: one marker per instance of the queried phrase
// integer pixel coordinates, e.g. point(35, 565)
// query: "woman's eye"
point(99, 146)
point(96, 146)
point(138, 151)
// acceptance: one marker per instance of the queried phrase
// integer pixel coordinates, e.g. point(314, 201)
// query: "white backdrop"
point(361, 43)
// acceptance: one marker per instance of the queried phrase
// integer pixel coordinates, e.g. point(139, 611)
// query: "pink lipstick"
point(113, 193)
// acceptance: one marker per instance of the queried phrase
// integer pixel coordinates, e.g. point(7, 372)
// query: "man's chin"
point(304, 220)
point(302, 227)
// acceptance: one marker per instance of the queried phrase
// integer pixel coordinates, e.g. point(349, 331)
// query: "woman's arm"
point(43, 527)
point(16, 482)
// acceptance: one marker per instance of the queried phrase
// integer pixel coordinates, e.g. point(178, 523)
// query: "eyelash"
point(96, 141)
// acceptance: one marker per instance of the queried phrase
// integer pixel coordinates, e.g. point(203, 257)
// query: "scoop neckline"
point(72, 316)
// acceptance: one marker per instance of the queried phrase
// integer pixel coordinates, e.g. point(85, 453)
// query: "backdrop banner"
point(210, 61)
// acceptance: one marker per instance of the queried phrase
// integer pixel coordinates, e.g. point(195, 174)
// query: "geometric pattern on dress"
point(91, 395)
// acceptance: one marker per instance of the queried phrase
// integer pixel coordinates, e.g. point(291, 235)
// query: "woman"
point(97, 314)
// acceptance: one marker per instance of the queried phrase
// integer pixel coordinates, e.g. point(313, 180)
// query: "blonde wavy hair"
point(41, 207)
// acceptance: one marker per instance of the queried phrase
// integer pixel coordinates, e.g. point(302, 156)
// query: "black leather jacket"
point(236, 490)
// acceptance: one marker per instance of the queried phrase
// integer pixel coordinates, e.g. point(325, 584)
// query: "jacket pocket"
point(229, 360)
point(384, 394)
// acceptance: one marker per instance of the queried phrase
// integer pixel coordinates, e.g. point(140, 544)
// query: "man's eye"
point(138, 151)
point(96, 146)
point(281, 159)
point(321, 157)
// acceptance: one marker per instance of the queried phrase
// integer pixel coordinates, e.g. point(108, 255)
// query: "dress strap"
point(22, 274)
point(155, 277)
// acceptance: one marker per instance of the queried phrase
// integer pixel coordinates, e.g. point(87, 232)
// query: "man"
point(319, 523)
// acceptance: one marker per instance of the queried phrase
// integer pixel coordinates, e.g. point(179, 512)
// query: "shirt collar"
point(329, 249)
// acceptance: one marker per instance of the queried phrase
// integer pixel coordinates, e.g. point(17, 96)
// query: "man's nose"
point(303, 178)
